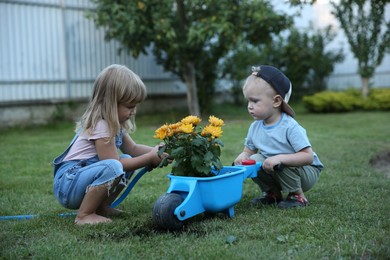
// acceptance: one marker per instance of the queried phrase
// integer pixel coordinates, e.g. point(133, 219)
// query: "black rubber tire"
point(163, 212)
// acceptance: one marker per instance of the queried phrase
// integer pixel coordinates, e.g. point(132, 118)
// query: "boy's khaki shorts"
point(290, 179)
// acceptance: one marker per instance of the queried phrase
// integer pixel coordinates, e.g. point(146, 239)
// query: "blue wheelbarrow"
point(190, 196)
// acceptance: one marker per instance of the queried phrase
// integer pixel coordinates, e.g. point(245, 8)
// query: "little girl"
point(90, 173)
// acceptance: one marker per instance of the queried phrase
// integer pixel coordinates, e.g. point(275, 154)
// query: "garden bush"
point(346, 101)
point(378, 99)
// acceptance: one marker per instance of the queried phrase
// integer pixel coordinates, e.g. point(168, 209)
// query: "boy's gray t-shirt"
point(285, 137)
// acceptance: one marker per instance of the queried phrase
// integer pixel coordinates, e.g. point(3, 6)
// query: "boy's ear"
point(278, 100)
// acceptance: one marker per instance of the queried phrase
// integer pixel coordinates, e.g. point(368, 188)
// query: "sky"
point(320, 15)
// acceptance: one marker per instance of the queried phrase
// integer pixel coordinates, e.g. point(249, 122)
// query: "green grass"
point(348, 217)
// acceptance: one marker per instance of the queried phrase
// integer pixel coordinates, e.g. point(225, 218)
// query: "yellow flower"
point(173, 129)
point(186, 128)
point(194, 120)
point(162, 132)
point(188, 133)
point(215, 121)
point(214, 131)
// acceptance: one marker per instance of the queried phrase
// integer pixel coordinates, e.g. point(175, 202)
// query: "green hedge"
point(346, 101)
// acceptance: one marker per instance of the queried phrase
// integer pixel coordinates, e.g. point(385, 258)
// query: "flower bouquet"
point(193, 150)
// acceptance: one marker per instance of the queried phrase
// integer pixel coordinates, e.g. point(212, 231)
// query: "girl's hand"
point(155, 158)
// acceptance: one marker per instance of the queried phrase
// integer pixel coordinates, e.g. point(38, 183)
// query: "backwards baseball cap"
point(278, 81)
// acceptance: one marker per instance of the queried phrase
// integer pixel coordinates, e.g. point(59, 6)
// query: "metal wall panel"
point(50, 50)
point(353, 80)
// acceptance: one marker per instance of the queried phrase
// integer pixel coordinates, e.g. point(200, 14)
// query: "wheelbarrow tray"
point(211, 194)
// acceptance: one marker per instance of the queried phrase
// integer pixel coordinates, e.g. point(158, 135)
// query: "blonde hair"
point(115, 85)
point(252, 79)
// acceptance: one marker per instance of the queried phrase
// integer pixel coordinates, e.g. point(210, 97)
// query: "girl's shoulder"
point(101, 130)
point(101, 124)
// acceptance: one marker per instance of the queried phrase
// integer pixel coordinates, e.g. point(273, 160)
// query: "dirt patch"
point(381, 162)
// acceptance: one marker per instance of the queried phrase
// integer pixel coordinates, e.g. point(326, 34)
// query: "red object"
point(248, 162)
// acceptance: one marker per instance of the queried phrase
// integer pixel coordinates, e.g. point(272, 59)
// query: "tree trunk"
point(192, 92)
point(364, 87)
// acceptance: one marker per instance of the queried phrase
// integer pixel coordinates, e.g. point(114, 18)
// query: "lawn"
point(348, 216)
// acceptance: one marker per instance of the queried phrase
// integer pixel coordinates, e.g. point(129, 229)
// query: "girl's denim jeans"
point(72, 179)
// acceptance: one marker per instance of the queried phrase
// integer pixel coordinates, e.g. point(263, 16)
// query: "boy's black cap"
point(278, 81)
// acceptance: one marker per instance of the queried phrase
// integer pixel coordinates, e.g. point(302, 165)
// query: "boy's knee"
point(257, 157)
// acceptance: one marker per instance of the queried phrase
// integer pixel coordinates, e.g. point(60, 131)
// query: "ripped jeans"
point(73, 178)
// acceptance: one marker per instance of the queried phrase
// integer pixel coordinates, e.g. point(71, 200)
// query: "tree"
point(367, 31)
point(237, 66)
point(188, 37)
point(302, 56)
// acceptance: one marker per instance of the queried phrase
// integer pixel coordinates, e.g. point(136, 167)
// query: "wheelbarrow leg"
point(229, 212)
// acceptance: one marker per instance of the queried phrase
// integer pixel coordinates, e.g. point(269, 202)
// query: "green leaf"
point(208, 156)
point(161, 150)
point(216, 150)
point(164, 162)
point(219, 142)
point(198, 141)
point(182, 169)
point(178, 152)
point(202, 168)
point(196, 160)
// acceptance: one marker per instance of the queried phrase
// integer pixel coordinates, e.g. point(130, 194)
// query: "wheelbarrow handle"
point(129, 187)
point(279, 167)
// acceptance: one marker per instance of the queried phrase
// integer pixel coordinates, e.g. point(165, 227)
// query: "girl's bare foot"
point(91, 219)
point(109, 211)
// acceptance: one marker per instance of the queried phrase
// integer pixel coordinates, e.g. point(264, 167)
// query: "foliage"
point(378, 99)
point(330, 101)
point(193, 149)
point(236, 68)
point(367, 31)
point(189, 37)
point(350, 100)
point(302, 56)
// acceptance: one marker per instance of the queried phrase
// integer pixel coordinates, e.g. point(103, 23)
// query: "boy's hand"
point(241, 157)
point(272, 164)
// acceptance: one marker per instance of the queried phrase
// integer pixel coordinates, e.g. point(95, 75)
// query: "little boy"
point(275, 139)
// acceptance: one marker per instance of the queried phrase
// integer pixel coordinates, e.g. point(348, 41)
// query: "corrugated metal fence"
point(50, 51)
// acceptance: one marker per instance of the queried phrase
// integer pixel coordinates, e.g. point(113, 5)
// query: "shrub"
point(378, 99)
point(330, 101)
point(346, 101)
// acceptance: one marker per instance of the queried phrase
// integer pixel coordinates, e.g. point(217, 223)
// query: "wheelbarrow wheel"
point(163, 211)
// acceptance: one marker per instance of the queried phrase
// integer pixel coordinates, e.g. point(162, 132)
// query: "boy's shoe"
point(293, 201)
point(268, 198)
